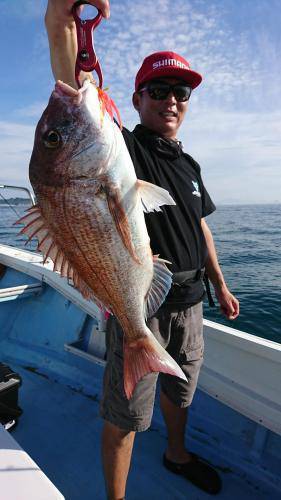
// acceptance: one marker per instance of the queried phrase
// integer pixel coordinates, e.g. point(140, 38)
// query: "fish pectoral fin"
point(35, 225)
point(120, 218)
point(153, 197)
point(144, 356)
point(160, 286)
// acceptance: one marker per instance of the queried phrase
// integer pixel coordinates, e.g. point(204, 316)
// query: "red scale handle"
point(86, 56)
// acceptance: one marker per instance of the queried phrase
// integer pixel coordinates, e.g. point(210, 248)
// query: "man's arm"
point(61, 31)
point(228, 303)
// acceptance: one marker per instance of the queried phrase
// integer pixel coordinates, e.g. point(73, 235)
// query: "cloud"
point(239, 155)
point(232, 127)
point(239, 152)
point(198, 30)
point(16, 142)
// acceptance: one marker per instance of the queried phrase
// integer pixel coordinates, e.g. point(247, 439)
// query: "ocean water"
point(248, 242)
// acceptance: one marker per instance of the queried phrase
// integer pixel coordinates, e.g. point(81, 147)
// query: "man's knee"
point(115, 435)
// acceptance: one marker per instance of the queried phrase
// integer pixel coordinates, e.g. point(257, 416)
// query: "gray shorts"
point(181, 334)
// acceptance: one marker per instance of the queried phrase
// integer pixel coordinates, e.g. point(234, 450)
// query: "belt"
point(181, 278)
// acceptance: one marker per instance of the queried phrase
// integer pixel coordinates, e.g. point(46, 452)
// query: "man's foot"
point(198, 472)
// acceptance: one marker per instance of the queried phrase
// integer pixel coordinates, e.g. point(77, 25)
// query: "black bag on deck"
point(9, 386)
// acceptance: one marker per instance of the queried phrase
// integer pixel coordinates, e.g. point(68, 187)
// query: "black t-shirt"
point(175, 232)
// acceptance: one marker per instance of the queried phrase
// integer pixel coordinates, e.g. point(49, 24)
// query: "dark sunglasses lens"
point(182, 92)
point(158, 91)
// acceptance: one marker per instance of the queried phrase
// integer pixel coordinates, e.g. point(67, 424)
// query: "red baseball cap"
point(166, 63)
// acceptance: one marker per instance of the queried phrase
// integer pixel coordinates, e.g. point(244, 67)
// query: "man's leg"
point(117, 446)
point(123, 417)
point(177, 459)
point(186, 347)
point(175, 419)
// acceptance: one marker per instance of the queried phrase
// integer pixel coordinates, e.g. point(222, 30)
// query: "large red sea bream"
point(89, 220)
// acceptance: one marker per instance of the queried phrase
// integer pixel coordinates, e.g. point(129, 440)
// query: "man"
point(179, 234)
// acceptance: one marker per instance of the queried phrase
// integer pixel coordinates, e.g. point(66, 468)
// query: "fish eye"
point(52, 139)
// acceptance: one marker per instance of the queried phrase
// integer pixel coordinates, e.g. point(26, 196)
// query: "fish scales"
point(84, 238)
point(94, 237)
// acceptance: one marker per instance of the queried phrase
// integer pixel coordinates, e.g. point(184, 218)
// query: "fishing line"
point(11, 238)
point(10, 206)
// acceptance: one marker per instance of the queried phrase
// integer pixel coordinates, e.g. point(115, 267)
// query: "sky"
point(233, 124)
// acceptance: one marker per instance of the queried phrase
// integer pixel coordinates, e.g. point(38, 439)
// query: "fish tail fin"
point(144, 356)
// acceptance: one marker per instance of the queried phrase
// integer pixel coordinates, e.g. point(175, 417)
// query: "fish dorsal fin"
point(120, 218)
point(35, 225)
point(109, 105)
point(153, 196)
point(160, 286)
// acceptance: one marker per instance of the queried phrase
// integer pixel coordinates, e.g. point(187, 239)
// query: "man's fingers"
point(230, 309)
point(103, 6)
point(233, 316)
point(229, 305)
point(106, 12)
point(234, 309)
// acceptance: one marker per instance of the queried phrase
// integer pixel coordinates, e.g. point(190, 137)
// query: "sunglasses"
point(160, 91)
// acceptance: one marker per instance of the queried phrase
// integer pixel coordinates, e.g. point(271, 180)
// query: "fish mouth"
point(63, 90)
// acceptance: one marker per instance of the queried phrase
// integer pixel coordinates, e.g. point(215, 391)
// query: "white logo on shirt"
point(196, 192)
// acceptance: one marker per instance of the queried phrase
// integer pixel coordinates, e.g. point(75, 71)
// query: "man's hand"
point(229, 305)
point(62, 36)
point(61, 9)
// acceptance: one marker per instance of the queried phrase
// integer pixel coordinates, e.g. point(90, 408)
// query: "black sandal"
point(198, 472)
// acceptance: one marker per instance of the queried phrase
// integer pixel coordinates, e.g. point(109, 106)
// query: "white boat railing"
point(243, 371)
point(20, 188)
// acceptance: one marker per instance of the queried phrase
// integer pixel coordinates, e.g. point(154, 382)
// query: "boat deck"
point(60, 429)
